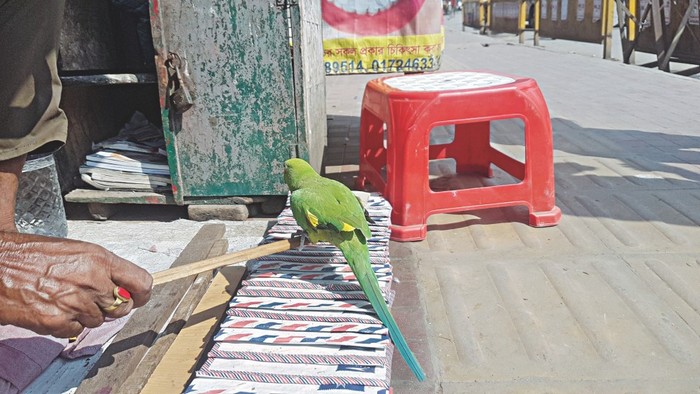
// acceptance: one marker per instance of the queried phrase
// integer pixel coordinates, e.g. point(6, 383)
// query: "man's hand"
point(59, 286)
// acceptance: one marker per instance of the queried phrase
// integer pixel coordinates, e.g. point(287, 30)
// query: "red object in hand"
point(123, 294)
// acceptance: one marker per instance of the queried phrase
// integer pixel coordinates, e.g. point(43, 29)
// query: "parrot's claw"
point(302, 237)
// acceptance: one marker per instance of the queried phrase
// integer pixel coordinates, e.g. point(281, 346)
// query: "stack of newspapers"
point(133, 160)
point(300, 322)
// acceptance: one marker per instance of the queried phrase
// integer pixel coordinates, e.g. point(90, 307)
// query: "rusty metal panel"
point(242, 126)
point(577, 20)
point(504, 16)
point(688, 47)
point(309, 80)
point(470, 14)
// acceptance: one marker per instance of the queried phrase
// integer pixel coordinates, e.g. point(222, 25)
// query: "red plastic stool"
point(411, 105)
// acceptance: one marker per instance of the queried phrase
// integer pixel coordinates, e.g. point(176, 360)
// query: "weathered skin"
point(58, 286)
point(328, 211)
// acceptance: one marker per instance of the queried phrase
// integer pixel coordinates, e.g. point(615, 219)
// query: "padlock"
point(181, 98)
point(180, 94)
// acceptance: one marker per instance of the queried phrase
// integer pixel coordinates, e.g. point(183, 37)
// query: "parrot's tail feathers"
point(358, 257)
point(377, 299)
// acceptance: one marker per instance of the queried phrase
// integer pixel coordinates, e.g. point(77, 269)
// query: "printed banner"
point(564, 10)
point(581, 10)
point(543, 9)
point(597, 10)
point(369, 36)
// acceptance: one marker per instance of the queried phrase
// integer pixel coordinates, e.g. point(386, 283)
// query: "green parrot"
point(328, 211)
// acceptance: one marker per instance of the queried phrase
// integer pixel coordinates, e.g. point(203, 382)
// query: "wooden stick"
point(184, 271)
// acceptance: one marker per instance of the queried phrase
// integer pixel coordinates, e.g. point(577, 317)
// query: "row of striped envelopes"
point(300, 323)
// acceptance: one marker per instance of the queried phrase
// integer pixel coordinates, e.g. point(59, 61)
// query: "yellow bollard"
point(631, 25)
point(536, 38)
point(522, 20)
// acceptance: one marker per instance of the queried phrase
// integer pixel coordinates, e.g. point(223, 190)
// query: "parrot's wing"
point(298, 204)
point(321, 207)
point(352, 212)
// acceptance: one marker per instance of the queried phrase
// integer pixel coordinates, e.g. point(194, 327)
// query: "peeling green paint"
point(235, 138)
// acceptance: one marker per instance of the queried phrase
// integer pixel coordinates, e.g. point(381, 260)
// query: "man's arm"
point(58, 286)
point(10, 171)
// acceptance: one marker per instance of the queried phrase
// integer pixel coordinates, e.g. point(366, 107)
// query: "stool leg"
point(407, 180)
point(539, 162)
point(372, 151)
point(471, 148)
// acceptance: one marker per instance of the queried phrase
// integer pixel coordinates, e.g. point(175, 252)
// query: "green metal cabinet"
point(254, 71)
